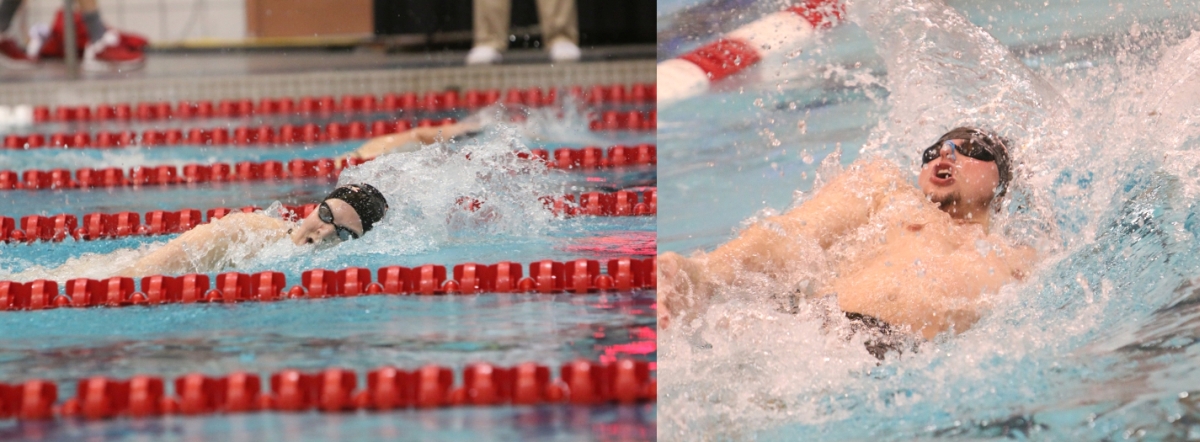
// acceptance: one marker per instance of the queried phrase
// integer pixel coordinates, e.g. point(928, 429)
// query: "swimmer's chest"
point(919, 262)
point(926, 227)
point(905, 237)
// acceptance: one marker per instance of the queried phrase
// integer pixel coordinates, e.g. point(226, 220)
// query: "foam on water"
point(1094, 344)
point(428, 190)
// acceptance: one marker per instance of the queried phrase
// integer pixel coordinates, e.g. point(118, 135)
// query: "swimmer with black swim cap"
point(347, 213)
point(914, 259)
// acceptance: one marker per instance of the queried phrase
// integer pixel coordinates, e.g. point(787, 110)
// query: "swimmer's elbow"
point(426, 135)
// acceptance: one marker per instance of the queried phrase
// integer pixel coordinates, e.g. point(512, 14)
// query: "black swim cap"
point(366, 201)
point(990, 141)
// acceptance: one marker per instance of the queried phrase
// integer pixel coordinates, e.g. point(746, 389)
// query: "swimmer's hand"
point(683, 289)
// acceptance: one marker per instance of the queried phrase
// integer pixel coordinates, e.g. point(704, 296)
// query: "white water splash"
point(745, 367)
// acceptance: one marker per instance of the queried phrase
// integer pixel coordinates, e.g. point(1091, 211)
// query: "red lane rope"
point(546, 277)
point(334, 390)
point(631, 120)
point(563, 158)
point(164, 222)
point(433, 101)
point(282, 135)
point(263, 135)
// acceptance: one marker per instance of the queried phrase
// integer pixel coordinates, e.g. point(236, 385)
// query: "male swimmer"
point(905, 258)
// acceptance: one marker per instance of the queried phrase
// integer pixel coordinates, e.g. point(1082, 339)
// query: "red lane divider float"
point(632, 120)
point(546, 277)
point(586, 158)
point(164, 222)
point(268, 135)
point(262, 135)
point(167, 174)
point(334, 390)
point(434, 101)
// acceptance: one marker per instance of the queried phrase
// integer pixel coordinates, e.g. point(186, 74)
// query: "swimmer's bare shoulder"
point(844, 204)
point(202, 246)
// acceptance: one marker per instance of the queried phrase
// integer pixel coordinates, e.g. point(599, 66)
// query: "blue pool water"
point(1097, 345)
point(360, 334)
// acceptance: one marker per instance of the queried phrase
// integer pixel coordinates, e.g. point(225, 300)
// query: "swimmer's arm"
point(207, 244)
point(844, 204)
point(411, 139)
point(686, 284)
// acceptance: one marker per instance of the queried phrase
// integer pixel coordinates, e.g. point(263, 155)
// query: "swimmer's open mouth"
point(943, 174)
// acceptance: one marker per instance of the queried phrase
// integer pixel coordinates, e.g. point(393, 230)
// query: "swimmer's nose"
point(947, 151)
point(321, 233)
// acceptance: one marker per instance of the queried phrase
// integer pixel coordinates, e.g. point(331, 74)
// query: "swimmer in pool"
point(347, 213)
point(919, 257)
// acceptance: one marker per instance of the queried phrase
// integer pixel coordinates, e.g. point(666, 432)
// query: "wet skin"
point(915, 258)
point(205, 247)
point(312, 230)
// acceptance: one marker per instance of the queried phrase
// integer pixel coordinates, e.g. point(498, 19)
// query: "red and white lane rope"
point(432, 101)
point(580, 276)
point(334, 390)
point(587, 158)
point(692, 73)
point(164, 222)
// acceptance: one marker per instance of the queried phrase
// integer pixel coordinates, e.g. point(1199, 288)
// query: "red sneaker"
point(133, 41)
point(13, 55)
point(48, 41)
point(107, 54)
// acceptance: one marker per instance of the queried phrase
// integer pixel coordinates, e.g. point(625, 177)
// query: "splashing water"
point(430, 191)
point(1098, 343)
point(430, 194)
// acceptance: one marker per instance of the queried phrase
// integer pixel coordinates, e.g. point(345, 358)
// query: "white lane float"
point(692, 73)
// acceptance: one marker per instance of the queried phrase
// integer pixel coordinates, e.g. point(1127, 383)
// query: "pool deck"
point(215, 75)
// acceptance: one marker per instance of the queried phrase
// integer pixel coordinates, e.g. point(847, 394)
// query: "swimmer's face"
point(954, 179)
point(312, 230)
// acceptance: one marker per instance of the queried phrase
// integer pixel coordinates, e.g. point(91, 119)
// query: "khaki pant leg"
point(559, 21)
point(491, 23)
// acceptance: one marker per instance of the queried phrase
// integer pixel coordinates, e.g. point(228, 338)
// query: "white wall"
point(162, 21)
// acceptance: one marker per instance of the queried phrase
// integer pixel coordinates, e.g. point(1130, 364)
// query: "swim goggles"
point(970, 149)
point(325, 214)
